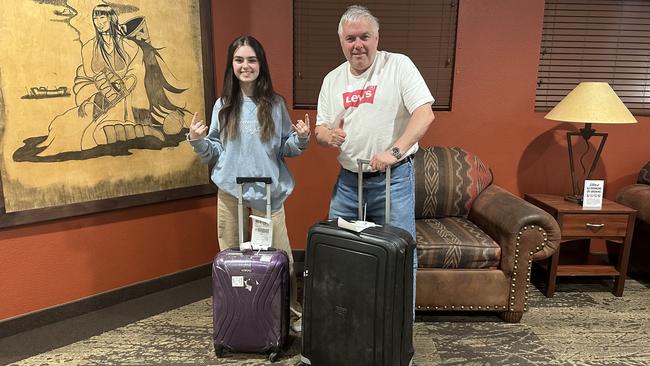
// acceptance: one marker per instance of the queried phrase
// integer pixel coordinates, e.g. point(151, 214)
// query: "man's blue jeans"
point(344, 201)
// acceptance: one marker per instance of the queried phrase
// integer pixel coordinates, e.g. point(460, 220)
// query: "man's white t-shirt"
point(376, 105)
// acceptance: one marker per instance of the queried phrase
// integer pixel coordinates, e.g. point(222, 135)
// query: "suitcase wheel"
point(274, 356)
point(219, 350)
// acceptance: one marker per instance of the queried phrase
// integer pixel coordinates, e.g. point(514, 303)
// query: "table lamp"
point(590, 102)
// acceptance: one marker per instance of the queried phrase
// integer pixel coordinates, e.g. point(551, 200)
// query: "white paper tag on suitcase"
point(245, 246)
point(237, 281)
point(266, 258)
point(262, 233)
point(356, 226)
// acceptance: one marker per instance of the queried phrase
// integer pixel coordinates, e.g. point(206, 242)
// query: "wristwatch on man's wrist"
point(396, 153)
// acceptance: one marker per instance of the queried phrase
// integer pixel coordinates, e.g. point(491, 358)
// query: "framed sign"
point(95, 100)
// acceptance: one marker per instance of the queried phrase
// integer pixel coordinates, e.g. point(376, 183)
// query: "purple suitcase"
point(250, 297)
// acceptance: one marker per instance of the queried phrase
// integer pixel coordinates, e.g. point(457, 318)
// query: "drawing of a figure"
point(119, 90)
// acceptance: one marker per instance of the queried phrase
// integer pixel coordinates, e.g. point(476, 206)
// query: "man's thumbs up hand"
point(337, 135)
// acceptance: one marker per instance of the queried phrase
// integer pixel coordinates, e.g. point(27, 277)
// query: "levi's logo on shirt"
point(356, 97)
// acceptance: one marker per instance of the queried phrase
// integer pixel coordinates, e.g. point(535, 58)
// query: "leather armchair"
point(476, 241)
point(637, 196)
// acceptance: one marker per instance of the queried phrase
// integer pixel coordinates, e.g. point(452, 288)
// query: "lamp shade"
point(591, 102)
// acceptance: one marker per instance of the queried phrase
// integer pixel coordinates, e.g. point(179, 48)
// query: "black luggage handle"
point(241, 180)
point(240, 204)
point(360, 163)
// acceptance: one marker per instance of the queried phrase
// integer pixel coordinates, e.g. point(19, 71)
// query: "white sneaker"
point(296, 326)
point(296, 320)
point(296, 312)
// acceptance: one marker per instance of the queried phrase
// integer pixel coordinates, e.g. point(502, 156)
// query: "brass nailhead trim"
point(529, 267)
point(514, 279)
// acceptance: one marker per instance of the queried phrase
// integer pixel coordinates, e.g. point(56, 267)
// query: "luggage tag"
point(262, 233)
point(358, 225)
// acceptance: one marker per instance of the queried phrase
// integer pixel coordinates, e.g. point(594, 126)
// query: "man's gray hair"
point(354, 13)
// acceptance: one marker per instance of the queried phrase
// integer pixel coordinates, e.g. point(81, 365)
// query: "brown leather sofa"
point(637, 196)
point(476, 241)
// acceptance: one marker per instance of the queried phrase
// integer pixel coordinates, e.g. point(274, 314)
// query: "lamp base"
point(574, 198)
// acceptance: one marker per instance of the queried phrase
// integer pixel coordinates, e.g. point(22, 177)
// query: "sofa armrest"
point(637, 196)
point(508, 219)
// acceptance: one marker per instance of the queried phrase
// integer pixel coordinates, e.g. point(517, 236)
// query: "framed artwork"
point(96, 98)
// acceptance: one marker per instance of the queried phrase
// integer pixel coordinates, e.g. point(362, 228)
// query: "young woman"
point(250, 135)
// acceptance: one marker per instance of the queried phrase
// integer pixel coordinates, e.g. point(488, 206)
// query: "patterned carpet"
point(584, 324)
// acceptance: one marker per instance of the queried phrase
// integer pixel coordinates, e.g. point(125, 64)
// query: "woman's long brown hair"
point(231, 98)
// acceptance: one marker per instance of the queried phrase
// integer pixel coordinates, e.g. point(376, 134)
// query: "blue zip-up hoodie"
point(248, 156)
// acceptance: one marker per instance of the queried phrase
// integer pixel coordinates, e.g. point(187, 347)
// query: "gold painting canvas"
point(96, 98)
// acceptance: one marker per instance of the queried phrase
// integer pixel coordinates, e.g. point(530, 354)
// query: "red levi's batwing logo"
point(354, 98)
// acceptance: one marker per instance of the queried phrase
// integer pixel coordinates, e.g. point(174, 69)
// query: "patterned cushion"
point(644, 175)
point(447, 181)
point(455, 242)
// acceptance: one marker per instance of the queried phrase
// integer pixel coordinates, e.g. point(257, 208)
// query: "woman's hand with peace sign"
point(198, 129)
point(302, 127)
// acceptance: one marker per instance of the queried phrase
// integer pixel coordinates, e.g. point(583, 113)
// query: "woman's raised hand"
point(302, 127)
point(198, 129)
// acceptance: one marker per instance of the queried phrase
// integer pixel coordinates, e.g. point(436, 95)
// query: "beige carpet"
point(584, 324)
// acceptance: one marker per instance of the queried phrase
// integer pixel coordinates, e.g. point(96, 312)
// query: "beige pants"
point(228, 234)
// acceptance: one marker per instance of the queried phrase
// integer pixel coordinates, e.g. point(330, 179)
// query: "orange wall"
point(47, 264)
point(492, 107)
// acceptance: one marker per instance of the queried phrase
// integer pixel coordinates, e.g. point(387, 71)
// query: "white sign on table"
point(593, 194)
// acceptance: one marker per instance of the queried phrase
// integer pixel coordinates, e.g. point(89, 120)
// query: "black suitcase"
point(358, 296)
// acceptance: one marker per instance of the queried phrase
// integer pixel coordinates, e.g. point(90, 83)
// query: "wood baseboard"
point(57, 313)
point(60, 312)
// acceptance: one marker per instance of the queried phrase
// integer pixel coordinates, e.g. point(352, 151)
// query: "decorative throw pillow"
point(644, 174)
point(447, 181)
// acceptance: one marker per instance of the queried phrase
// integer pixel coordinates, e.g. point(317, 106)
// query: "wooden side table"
point(613, 222)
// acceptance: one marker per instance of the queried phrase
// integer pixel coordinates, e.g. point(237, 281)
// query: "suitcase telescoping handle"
point(360, 163)
point(240, 204)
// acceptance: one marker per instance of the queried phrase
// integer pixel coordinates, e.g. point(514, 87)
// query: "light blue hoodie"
point(248, 156)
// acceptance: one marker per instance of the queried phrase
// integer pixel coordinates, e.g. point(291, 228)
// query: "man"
point(374, 106)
